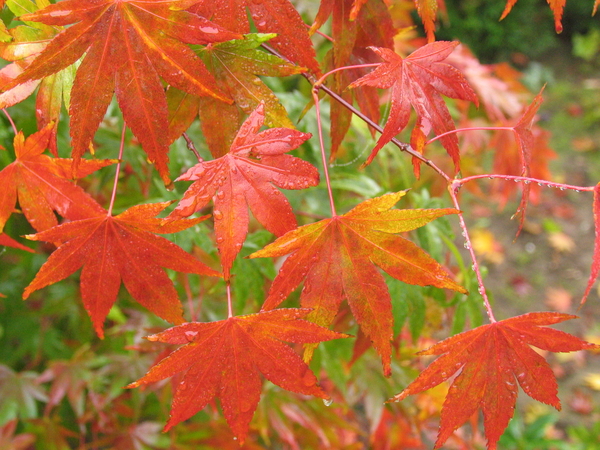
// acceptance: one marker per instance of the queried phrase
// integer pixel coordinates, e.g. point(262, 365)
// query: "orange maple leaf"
point(119, 248)
point(337, 257)
point(127, 45)
point(245, 176)
point(419, 80)
point(42, 184)
point(223, 359)
point(491, 361)
point(427, 10)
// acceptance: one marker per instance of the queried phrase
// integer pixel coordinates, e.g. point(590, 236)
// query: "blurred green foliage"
point(528, 29)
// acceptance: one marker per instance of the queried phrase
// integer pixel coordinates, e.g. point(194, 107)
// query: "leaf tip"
point(399, 397)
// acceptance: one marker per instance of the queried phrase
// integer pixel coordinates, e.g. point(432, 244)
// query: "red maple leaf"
point(128, 45)
point(419, 80)
point(223, 359)
point(337, 257)
point(355, 25)
point(245, 176)
point(492, 360)
point(269, 16)
point(42, 185)
point(111, 249)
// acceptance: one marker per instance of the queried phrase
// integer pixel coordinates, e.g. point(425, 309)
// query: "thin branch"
point(453, 190)
point(401, 145)
point(191, 146)
point(526, 180)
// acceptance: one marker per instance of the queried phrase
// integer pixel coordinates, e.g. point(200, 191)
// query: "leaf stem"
point(189, 296)
point(439, 136)
point(453, 190)
point(315, 94)
point(12, 123)
point(321, 80)
point(117, 172)
point(229, 301)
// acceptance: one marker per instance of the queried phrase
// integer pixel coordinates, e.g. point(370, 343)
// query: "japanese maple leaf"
point(245, 177)
point(236, 66)
point(337, 257)
point(111, 249)
point(223, 359)
point(22, 44)
point(128, 45)
point(526, 148)
point(42, 184)
point(419, 80)
point(269, 16)
point(355, 25)
point(491, 361)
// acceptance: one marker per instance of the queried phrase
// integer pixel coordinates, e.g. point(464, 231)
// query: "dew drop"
point(466, 245)
point(473, 267)
point(235, 438)
point(220, 240)
point(327, 401)
point(190, 335)
point(217, 214)
point(444, 374)
point(481, 290)
point(540, 184)
point(562, 188)
point(491, 178)
point(220, 195)
point(578, 191)
point(526, 181)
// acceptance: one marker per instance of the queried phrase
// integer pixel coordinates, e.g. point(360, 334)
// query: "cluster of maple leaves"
point(169, 62)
